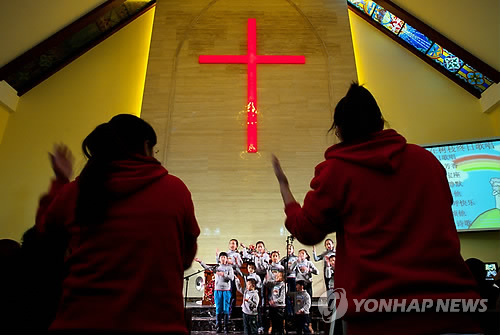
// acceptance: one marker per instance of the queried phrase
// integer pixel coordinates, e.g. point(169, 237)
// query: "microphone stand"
point(289, 242)
point(187, 283)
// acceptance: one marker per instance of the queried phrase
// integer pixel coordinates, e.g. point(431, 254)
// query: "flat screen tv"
point(491, 270)
point(473, 171)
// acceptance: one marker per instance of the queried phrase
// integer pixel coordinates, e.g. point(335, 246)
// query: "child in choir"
point(249, 306)
point(276, 267)
point(276, 301)
point(258, 286)
point(330, 272)
point(304, 269)
point(233, 259)
point(224, 274)
point(260, 258)
point(247, 252)
point(275, 264)
point(287, 263)
point(329, 251)
point(302, 305)
point(252, 275)
point(233, 256)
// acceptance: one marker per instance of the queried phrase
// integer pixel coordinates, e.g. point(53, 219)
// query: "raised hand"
point(61, 160)
point(286, 194)
point(278, 171)
point(196, 259)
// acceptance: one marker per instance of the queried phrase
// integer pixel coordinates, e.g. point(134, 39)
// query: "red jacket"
point(128, 275)
point(390, 204)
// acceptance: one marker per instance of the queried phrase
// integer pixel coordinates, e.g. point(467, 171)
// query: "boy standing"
point(253, 275)
point(276, 301)
point(233, 259)
point(249, 306)
point(302, 305)
point(222, 293)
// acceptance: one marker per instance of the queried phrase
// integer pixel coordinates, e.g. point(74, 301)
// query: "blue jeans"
point(222, 301)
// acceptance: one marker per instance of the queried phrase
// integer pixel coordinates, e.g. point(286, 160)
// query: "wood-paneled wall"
point(198, 110)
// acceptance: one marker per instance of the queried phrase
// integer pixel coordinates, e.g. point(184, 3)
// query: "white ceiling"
point(472, 24)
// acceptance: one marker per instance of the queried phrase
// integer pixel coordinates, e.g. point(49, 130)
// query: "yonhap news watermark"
point(333, 305)
point(425, 305)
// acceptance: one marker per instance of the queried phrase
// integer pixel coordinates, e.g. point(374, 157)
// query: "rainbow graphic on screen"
point(484, 163)
point(478, 162)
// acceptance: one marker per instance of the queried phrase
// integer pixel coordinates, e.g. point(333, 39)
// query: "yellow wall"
point(494, 116)
point(105, 81)
point(4, 118)
point(424, 106)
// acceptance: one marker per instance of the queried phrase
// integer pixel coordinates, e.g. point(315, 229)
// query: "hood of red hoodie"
point(382, 151)
point(131, 175)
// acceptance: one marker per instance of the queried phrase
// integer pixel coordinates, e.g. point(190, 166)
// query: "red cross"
point(252, 59)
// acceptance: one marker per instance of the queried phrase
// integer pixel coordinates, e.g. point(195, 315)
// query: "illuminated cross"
point(252, 59)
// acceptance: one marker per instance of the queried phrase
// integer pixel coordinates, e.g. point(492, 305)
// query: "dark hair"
point(223, 253)
point(275, 252)
point(357, 115)
point(120, 138)
point(250, 264)
point(235, 240)
point(301, 282)
point(258, 242)
point(307, 254)
point(328, 239)
point(252, 281)
point(477, 268)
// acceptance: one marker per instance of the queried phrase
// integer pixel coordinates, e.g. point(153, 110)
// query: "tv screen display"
point(491, 270)
point(473, 171)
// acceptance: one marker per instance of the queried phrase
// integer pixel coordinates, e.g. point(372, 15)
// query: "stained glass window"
point(475, 78)
point(366, 6)
point(415, 38)
point(387, 19)
point(445, 58)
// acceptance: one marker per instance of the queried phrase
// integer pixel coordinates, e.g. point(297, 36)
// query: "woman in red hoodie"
point(390, 204)
point(132, 233)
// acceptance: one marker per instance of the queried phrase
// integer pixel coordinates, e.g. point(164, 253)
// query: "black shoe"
point(226, 323)
point(218, 323)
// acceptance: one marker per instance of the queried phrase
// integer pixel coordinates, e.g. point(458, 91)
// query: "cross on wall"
point(251, 59)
